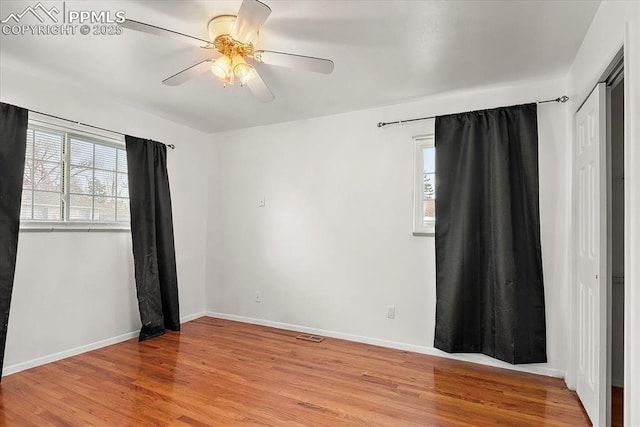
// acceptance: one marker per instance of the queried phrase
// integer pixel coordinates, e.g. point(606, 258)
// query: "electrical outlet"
point(391, 312)
point(258, 296)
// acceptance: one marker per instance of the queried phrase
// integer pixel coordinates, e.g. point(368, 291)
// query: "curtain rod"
point(562, 99)
point(91, 126)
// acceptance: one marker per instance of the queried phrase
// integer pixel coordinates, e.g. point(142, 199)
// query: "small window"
point(425, 185)
point(72, 177)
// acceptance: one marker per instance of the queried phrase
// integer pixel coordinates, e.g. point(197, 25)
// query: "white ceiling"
point(384, 52)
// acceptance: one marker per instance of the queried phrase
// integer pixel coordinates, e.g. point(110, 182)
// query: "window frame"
point(69, 132)
point(419, 227)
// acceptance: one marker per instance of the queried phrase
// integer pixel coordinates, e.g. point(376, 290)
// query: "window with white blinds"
point(424, 185)
point(71, 177)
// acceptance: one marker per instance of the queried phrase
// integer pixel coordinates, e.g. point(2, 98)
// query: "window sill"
point(428, 230)
point(73, 227)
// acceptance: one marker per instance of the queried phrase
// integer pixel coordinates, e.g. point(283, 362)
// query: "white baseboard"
point(475, 358)
point(465, 357)
point(189, 318)
point(8, 370)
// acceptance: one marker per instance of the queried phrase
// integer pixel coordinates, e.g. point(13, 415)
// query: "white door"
point(592, 256)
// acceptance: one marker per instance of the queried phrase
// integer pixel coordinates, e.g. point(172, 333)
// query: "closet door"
point(591, 274)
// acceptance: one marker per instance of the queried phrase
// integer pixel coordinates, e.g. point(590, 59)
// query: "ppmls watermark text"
point(60, 20)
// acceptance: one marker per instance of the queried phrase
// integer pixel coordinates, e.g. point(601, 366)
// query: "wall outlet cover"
point(391, 312)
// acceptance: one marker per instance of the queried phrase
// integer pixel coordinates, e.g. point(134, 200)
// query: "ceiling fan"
point(232, 40)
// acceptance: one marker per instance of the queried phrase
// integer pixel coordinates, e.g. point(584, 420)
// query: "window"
point(73, 177)
point(425, 185)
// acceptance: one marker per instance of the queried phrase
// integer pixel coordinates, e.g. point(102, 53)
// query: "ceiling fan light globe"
point(244, 72)
point(221, 68)
point(241, 69)
point(237, 60)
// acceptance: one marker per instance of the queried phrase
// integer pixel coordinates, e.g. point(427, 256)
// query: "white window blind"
point(425, 185)
point(70, 177)
point(42, 181)
point(428, 185)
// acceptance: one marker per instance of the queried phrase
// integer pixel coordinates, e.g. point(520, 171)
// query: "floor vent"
point(312, 338)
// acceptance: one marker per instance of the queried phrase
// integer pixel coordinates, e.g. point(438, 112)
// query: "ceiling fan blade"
point(159, 31)
point(251, 16)
point(259, 89)
point(308, 63)
point(188, 73)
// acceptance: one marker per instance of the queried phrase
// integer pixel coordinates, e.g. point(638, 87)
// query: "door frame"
point(616, 78)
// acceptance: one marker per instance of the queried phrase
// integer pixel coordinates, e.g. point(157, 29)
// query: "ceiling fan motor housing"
point(220, 28)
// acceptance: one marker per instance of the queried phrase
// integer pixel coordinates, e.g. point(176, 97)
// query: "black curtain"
point(152, 233)
point(13, 144)
point(489, 289)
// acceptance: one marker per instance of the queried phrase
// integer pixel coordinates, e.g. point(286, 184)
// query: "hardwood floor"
point(617, 406)
point(222, 373)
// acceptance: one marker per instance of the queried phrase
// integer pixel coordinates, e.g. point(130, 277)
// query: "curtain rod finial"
point(380, 124)
point(173, 147)
point(563, 99)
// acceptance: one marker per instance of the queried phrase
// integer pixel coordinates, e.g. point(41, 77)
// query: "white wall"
point(617, 23)
point(333, 245)
point(75, 290)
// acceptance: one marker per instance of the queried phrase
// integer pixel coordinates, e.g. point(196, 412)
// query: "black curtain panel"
point(13, 144)
point(152, 233)
point(489, 288)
